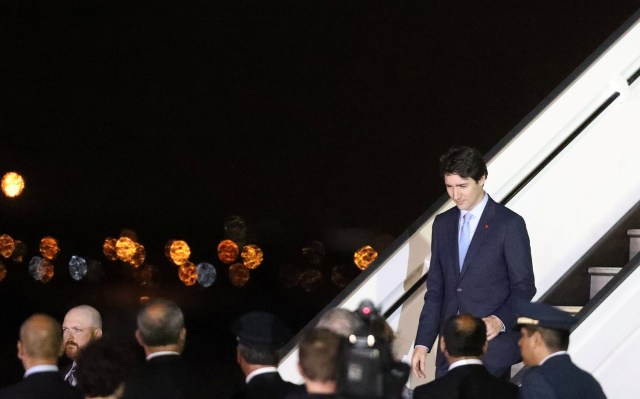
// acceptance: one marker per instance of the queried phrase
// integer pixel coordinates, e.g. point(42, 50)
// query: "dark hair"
point(318, 353)
point(555, 340)
point(253, 355)
point(464, 162)
point(464, 335)
point(160, 322)
point(101, 367)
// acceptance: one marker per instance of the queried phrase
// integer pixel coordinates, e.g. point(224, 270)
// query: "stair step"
point(570, 309)
point(634, 242)
point(600, 276)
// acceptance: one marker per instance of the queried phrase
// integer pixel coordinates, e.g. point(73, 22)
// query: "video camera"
point(366, 366)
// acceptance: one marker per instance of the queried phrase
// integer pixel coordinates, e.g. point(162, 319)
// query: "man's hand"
point(494, 326)
point(418, 360)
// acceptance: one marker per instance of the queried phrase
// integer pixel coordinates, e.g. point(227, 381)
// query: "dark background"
point(312, 120)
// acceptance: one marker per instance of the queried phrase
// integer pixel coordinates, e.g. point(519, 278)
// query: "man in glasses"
point(82, 324)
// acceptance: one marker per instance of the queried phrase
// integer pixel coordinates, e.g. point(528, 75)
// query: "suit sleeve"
point(429, 322)
point(517, 253)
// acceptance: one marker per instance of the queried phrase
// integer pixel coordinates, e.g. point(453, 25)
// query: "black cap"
point(542, 315)
point(261, 330)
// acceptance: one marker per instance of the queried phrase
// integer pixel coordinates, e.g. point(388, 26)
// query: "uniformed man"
point(544, 339)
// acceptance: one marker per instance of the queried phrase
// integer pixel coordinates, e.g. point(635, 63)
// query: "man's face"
point(526, 343)
point(77, 332)
point(464, 191)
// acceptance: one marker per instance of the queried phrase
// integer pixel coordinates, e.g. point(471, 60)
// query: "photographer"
point(366, 366)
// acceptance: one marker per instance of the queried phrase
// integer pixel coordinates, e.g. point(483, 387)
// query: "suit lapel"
point(479, 235)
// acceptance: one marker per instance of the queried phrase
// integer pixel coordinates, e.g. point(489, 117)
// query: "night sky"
point(312, 120)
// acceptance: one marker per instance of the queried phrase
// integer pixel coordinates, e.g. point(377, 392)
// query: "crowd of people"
point(477, 315)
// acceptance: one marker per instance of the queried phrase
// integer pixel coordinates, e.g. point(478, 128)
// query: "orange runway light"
point(364, 256)
point(49, 248)
point(251, 256)
point(12, 184)
point(239, 275)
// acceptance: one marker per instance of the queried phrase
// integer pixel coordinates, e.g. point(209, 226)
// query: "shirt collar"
point(259, 371)
point(558, 353)
point(161, 353)
point(478, 209)
point(464, 362)
point(40, 369)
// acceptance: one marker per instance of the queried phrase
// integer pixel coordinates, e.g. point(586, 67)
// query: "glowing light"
point(3, 271)
point(125, 248)
point(139, 255)
point(179, 252)
point(228, 251)
point(46, 273)
point(49, 248)
point(206, 274)
point(7, 245)
point(109, 248)
point(144, 299)
point(187, 273)
point(251, 256)
point(19, 252)
point(239, 274)
point(12, 184)
point(77, 267)
point(364, 256)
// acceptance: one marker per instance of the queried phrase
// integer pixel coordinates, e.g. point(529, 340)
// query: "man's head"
point(341, 321)
point(318, 356)
point(544, 330)
point(464, 172)
point(40, 341)
point(161, 326)
point(81, 325)
point(101, 368)
point(261, 336)
point(464, 336)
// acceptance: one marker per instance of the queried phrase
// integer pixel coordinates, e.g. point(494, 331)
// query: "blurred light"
point(77, 267)
point(144, 299)
point(364, 256)
point(7, 245)
point(206, 274)
point(311, 280)
point(125, 248)
point(187, 273)
point(341, 275)
point(228, 251)
point(49, 248)
point(34, 266)
point(313, 252)
point(145, 275)
point(179, 252)
point(289, 275)
point(239, 274)
point(235, 229)
point(44, 271)
point(19, 252)
point(3, 271)
point(12, 184)
point(138, 256)
point(251, 256)
point(109, 248)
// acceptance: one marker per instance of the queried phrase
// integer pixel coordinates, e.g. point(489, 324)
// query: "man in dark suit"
point(261, 337)
point(544, 341)
point(480, 264)
point(162, 335)
point(39, 348)
point(463, 342)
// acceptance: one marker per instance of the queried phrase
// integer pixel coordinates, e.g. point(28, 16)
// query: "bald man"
point(81, 325)
point(39, 348)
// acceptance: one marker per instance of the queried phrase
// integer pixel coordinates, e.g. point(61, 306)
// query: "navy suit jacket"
point(470, 381)
point(497, 274)
point(269, 386)
point(559, 378)
point(42, 385)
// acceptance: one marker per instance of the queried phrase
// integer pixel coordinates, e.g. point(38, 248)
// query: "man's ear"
point(443, 345)
point(21, 350)
point(97, 333)
point(139, 338)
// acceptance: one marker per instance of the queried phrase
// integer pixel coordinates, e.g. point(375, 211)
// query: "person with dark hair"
point(101, 369)
point(162, 335)
point(261, 337)
point(81, 325)
point(318, 356)
point(463, 342)
point(480, 264)
point(39, 348)
point(544, 340)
